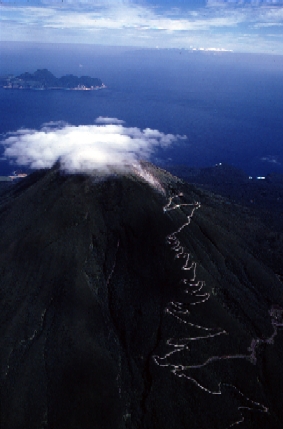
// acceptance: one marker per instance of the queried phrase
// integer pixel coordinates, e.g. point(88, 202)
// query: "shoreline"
point(97, 88)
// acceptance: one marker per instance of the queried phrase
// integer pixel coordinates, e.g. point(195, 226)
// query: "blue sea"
point(229, 105)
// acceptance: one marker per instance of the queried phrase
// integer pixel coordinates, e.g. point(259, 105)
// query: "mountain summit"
point(131, 305)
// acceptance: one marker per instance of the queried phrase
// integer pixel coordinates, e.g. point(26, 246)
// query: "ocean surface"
point(229, 105)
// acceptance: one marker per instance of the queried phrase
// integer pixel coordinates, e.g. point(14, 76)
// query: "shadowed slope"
point(86, 278)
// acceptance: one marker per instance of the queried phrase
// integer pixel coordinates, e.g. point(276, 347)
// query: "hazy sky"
point(238, 25)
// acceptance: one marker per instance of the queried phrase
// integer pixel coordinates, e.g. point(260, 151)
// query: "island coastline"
point(43, 79)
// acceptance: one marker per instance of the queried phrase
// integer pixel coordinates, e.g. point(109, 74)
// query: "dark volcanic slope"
point(263, 197)
point(96, 328)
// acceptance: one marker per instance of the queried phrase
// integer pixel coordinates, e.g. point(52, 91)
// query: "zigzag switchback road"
point(181, 310)
point(135, 301)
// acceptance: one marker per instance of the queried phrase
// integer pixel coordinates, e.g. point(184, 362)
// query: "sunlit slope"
point(126, 307)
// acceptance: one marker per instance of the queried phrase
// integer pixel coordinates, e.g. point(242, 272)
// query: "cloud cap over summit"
point(82, 148)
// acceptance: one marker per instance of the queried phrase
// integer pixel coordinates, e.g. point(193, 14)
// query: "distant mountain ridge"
point(44, 79)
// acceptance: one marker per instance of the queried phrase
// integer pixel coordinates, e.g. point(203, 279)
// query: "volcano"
point(129, 304)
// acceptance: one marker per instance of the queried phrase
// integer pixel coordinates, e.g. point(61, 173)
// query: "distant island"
point(44, 79)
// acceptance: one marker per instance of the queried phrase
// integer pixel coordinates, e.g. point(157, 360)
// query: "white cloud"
point(48, 125)
point(85, 147)
point(268, 24)
point(120, 16)
point(271, 159)
point(115, 22)
point(139, 18)
point(105, 120)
